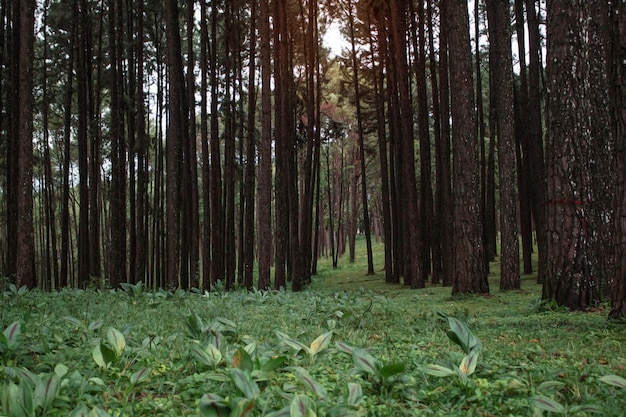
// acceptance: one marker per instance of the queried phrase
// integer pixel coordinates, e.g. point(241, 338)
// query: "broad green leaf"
point(27, 376)
point(546, 404)
point(437, 370)
point(46, 391)
point(4, 342)
point(242, 360)
point(460, 334)
point(294, 344)
point(283, 412)
point(61, 370)
point(95, 325)
point(320, 343)
point(615, 380)
point(344, 347)
point(274, 363)
point(355, 393)
point(392, 369)
point(98, 412)
point(140, 375)
point(80, 411)
point(25, 399)
point(469, 362)
point(309, 382)
point(207, 354)
point(550, 386)
point(116, 341)
point(108, 354)
point(97, 356)
point(74, 322)
point(302, 406)
point(12, 335)
point(244, 382)
point(212, 405)
point(585, 408)
point(194, 326)
point(365, 362)
point(242, 407)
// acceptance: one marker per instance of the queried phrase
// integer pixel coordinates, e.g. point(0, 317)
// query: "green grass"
point(532, 355)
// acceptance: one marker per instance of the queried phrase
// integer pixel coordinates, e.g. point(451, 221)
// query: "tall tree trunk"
point(175, 134)
point(142, 155)
point(25, 250)
point(445, 200)
point(217, 223)
point(469, 266)
point(618, 73)
point(535, 137)
point(410, 212)
point(574, 268)
point(498, 12)
point(83, 138)
point(437, 233)
point(426, 189)
point(521, 133)
point(189, 119)
point(361, 145)
point(250, 167)
point(265, 152)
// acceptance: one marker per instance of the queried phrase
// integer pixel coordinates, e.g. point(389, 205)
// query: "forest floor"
point(350, 345)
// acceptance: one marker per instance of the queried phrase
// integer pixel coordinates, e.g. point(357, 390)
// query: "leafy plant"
point(460, 334)
point(318, 345)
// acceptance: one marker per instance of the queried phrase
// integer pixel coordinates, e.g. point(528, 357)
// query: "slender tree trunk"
point(175, 134)
point(535, 138)
point(410, 211)
point(444, 165)
point(25, 266)
point(141, 145)
point(521, 133)
point(265, 152)
point(469, 274)
point(217, 223)
point(361, 144)
point(498, 12)
point(83, 138)
point(618, 73)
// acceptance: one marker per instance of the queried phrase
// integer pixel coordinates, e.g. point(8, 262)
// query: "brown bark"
point(498, 12)
point(618, 73)
point(408, 190)
point(574, 265)
point(25, 250)
point(469, 266)
point(264, 190)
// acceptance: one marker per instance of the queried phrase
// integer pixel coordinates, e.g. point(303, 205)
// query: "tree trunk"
point(469, 266)
point(408, 193)
point(25, 250)
point(618, 73)
point(574, 268)
point(265, 153)
point(498, 12)
point(174, 148)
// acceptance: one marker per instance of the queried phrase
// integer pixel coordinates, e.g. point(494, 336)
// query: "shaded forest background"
point(182, 143)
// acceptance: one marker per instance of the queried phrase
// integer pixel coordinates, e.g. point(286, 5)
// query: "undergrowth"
point(348, 346)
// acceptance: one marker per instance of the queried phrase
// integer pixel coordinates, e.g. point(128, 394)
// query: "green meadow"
point(350, 345)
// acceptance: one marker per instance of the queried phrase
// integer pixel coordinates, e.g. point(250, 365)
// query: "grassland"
point(350, 345)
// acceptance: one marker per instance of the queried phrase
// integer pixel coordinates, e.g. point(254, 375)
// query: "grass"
point(350, 345)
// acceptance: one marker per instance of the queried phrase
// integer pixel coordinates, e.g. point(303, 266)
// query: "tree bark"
point(498, 12)
point(574, 267)
point(25, 251)
point(469, 266)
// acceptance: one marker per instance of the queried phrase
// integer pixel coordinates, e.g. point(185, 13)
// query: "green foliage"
point(377, 350)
